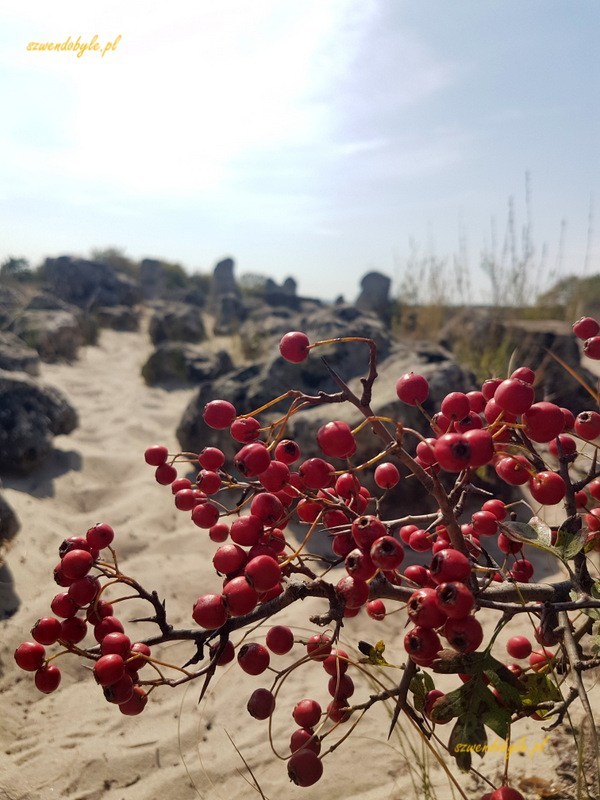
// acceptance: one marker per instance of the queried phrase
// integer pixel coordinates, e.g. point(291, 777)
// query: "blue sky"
point(314, 138)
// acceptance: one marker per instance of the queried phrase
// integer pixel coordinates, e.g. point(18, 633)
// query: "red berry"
point(294, 347)
point(318, 646)
point(279, 639)
point(456, 405)
point(304, 767)
point(455, 599)
point(586, 327)
point(226, 655)
point(412, 389)
point(240, 598)
point(495, 507)
point(353, 591)
point(210, 611)
point(376, 609)
point(100, 536)
point(73, 630)
point(211, 458)
point(267, 507)
point(287, 451)
point(543, 421)
point(305, 738)
point(246, 531)
point(156, 454)
point(245, 429)
point(84, 590)
point(165, 474)
point(252, 459)
point(63, 606)
point(387, 553)
point(229, 558)
point(547, 488)
point(587, 425)
point(205, 515)
point(263, 572)
point(109, 669)
point(506, 793)
point(47, 678)
point(219, 414)
point(76, 563)
point(115, 642)
point(340, 687)
point(386, 475)
point(336, 439)
point(261, 704)
point(452, 452)
point(30, 656)
point(253, 658)
point(120, 691)
point(422, 644)
point(465, 634)
point(316, 473)
point(307, 713)
point(424, 610)
point(514, 396)
point(514, 470)
point(524, 374)
point(366, 530)
point(449, 565)
point(136, 704)
point(46, 630)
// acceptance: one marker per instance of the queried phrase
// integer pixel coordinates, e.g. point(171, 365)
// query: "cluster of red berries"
point(78, 611)
point(588, 330)
point(496, 427)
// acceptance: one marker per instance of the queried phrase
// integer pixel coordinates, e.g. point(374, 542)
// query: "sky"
point(321, 139)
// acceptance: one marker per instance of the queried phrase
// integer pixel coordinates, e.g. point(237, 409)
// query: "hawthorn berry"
point(294, 347)
point(47, 678)
point(261, 704)
point(449, 565)
point(412, 389)
point(219, 414)
point(304, 767)
point(30, 656)
point(156, 454)
point(253, 658)
point(280, 639)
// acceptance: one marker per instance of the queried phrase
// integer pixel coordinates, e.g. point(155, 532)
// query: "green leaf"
point(569, 544)
point(419, 687)
point(537, 534)
point(467, 736)
point(497, 718)
point(538, 689)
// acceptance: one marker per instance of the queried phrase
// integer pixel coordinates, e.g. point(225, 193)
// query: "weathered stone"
point(118, 318)
point(178, 362)
point(374, 295)
point(31, 414)
point(289, 286)
point(9, 522)
point(152, 278)
point(11, 301)
point(223, 282)
point(45, 301)
point(230, 312)
point(9, 601)
point(15, 356)
point(56, 335)
point(89, 284)
point(532, 341)
point(177, 322)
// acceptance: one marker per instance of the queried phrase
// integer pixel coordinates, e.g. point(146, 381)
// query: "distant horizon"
point(314, 139)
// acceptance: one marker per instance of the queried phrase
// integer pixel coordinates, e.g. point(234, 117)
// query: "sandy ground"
point(72, 744)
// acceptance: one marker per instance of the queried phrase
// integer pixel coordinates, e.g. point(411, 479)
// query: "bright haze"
point(313, 138)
